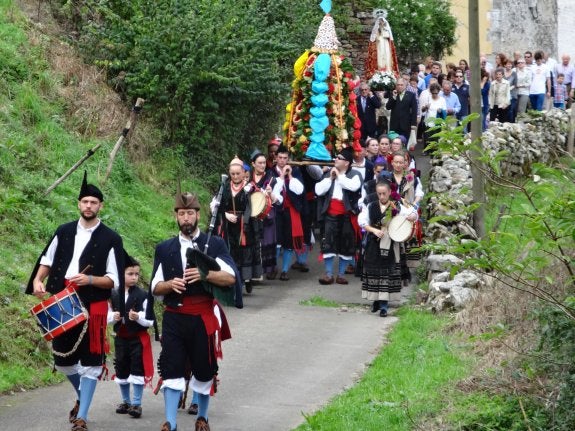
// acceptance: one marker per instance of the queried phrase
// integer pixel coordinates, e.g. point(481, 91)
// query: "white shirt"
point(341, 182)
point(539, 75)
point(363, 217)
point(295, 185)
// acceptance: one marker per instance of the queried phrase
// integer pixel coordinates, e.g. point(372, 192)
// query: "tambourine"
point(261, 204)
point(400, 228)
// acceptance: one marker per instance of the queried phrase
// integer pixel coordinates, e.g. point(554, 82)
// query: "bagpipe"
point(198, 258)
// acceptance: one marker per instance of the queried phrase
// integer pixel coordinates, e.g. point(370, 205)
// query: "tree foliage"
point(420, 28)
point(217, 73)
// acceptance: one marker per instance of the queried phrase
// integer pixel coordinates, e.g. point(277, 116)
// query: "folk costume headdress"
point(255, 154)
point(129, 260)
point(89, 190)
point(274, 141)
point(186, 200)
point(322, 116)
point(237, 161)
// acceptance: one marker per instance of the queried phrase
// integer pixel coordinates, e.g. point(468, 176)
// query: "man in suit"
point(403, 107)
point(367, 103)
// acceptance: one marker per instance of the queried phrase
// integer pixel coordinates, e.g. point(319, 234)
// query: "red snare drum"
point(59, 313)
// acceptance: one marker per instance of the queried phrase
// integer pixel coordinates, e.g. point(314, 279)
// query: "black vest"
point(168, 254)
point(95, 253)
point(134, 301)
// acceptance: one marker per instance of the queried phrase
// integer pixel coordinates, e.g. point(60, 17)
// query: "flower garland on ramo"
point(344, 124)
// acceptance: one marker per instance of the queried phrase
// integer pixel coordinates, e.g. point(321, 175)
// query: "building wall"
point(460, 9)
point(565, 33)
point(520, 25)
point(517, 25)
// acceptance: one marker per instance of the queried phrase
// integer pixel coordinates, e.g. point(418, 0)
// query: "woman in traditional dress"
point(264, 181)
point(237, 227)
point(381, 273)
point(406, 183)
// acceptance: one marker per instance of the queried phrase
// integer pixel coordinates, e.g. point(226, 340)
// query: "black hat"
point(347, 154)
point(282, 149)
point(255, 154)
point(89, 189)
point(129, 260)
point(186, 200)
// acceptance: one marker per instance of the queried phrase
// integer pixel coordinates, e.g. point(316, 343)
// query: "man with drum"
point(185, 274)
point(339, 192)
point(86, 256)
point(289, 228)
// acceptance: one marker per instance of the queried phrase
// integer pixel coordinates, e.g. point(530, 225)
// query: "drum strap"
point(75, 347)
point(385, 243)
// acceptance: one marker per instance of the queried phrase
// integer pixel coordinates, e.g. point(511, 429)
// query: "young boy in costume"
point(133, 359)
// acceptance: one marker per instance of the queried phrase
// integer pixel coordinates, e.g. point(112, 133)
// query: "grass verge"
point(405, 383)
point(318, 301)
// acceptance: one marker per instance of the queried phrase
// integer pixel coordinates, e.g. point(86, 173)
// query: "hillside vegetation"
point(53, 109)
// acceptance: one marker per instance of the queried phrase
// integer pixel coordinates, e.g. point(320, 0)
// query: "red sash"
point(204, 307)
point(296, 226)
point(336, 208)
point(98, 312)
point(97, 327)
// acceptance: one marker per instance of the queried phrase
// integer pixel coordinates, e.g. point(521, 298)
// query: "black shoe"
point(202, 424)
point(74, 412)
point(193, 410)
point(135, 411)
point(249, 287)
point(123, 408)
point(375, 306)
point(284, 276)
point(383, 313)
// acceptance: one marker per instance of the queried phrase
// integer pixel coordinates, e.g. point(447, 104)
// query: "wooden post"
point(72, 169)
point(570, 136)
point(124, 136)
point(477, 126)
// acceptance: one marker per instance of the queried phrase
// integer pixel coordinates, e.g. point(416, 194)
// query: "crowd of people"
point(273, 211)
point(511, 86)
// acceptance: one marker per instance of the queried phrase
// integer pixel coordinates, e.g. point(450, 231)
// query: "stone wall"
point(535, 139)
point(354, 37)
point(524, 25)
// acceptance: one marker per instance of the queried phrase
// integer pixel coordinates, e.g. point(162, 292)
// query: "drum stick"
point(88, 267)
